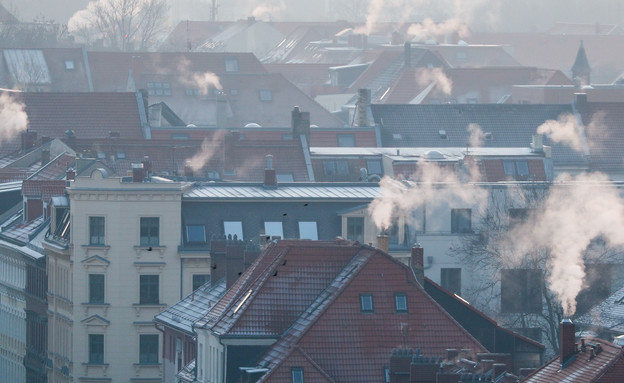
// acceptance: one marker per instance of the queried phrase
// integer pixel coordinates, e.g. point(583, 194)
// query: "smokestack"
point(300, 123)
point(567, 345)
point(417, 263)
point(270, 177)
point(45, 156)
point(580, 101)
point(362, 107)
point(383, 242)
point(137, 173)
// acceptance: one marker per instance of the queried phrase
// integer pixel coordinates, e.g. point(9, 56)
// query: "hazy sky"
point(505, 15)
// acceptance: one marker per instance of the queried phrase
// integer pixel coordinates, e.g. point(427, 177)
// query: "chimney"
point(567, 345)
point(400, 361)
point(424, 370)
point(45, 156)
point(300, 123)
point(408, 54)
point(363, 103)
point(251, 20)
point(234, 261)
point(147, 166)
point(70, 174)
point(218, 267)
point(221, 110)
point(137, 173)
point(417, 263)
point(28, 141)
point(383, 243)
point(70, 136)
point(270, 177)
point(580, 101)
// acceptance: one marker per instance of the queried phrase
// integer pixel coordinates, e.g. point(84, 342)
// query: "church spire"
point(581, 70)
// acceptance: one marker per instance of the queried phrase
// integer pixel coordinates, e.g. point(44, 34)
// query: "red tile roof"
point(605, 367)
point(44, 189)
point(308, 294)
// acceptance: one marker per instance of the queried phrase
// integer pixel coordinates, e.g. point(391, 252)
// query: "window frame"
point(97, 288)
point(196, 283)
point(456, 227)
point(148, 283)
point(147, 356)
point(352, 224)
point(296, 373)
point(308, 223)
point(231, 64)
point(97, 231)
point(272, 233)
point(401, 309)
point(448, 277)
point(147, 239)
point(225, 229)
point(96, 356)
point(201, 227)
point(365, 300)
point(265, 95)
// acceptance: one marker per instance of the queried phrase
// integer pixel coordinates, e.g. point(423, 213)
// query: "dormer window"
point(265, 95)
point(442, 134)
point(297, 374)
point(69, 64)
point(366, 303)
point(231, 64)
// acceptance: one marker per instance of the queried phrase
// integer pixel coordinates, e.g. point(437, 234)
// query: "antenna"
point(213, 11)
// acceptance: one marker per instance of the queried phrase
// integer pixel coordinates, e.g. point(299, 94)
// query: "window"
point(196, 233)
point(273, 229)
point(450, 279)
point(199, 280)
point(178, 136)
point(297, 375)
point(233, 228)
point(69, 64)
point(517, 170)
point(193, 92)
point(159, 88)
point(461, 221)
point(521, 290)
point(472, 100)
point(366, 303)
point(96, 288)
point(355, 229)
point(148, 289)
point(346, 140)
point(121, 155)
point(373, 167)
point(96, 348)
point(332, 167)
point(148, 348)
point(308, 230)
point(231, 64)
point(400, 302)
point(265, 95)
point(517, 216)
point(150, 227)
point(443, 134)
point(96, 231)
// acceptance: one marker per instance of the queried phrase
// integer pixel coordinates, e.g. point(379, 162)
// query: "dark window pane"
point(461, 221)
point(196, 233)
point(366, 303)
point(148, 349)
point(521, 290)
point(346, 140)
point(297, 375)
point(355, 229)
point(148, 293)
point(400, 301)
point(96, 230)
point(96, 348)
point(150, 231)
point(199, 280)
point(450, 279)
point(96, 288)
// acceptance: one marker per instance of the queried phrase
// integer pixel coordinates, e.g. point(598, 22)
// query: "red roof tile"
point(44, 189)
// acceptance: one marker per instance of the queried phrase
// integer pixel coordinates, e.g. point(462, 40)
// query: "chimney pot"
point(417, 262)
point(383, 243)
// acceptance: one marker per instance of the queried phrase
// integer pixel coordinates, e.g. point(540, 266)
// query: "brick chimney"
point(234, 261)
point(300, 123)
point(567, 344)
point(424, 370)
point(221, 110)
point(400, 361)
point(363, 102)
point(217, 260)
point(383, 243)
point(270, 177)
point(580, 101)
point(408, 54)
point(417, 263)
point(188, 170)
point(137, 173)
point(28, 141)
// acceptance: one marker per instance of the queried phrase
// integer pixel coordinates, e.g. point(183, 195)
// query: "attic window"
point(121, 155)
point(265, 95)
point(397, 136)
point(442, 134)
point(101, 155)
point(400, 302)
point(366, 303)
point(297, 374)
point(193, 92)
point(69, 64)
point(231, 64)
point(488, 136)
point(461, 56)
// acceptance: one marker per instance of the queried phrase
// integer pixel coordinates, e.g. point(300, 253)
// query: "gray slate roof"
point(608, 315)
point(185, 313)
point(509, 125)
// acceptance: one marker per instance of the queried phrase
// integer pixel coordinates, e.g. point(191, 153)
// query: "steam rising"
point(209, 148)
point(268, 11)
point(204, 81)
point(564, 130)
point(476, 135)
point(585, 207)
point(430, 29)
point(436, 186)
point(14, 119)
point(428, 75)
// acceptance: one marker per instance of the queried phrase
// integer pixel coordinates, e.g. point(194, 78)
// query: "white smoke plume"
point(426, 76)
point(209, 148)
point(430, 29)
point(13, 117)
point(268, 11)
point(476, 135)
point(436, 186)
point(577, 210)
point(204, 81)
point(382, 10)
point(565, 130)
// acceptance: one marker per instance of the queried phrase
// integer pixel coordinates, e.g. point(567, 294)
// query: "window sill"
point(139, 249)
point(103, 248)
point(149, 306)
point(94, 368)
point(102, 306)
point(138, 367)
